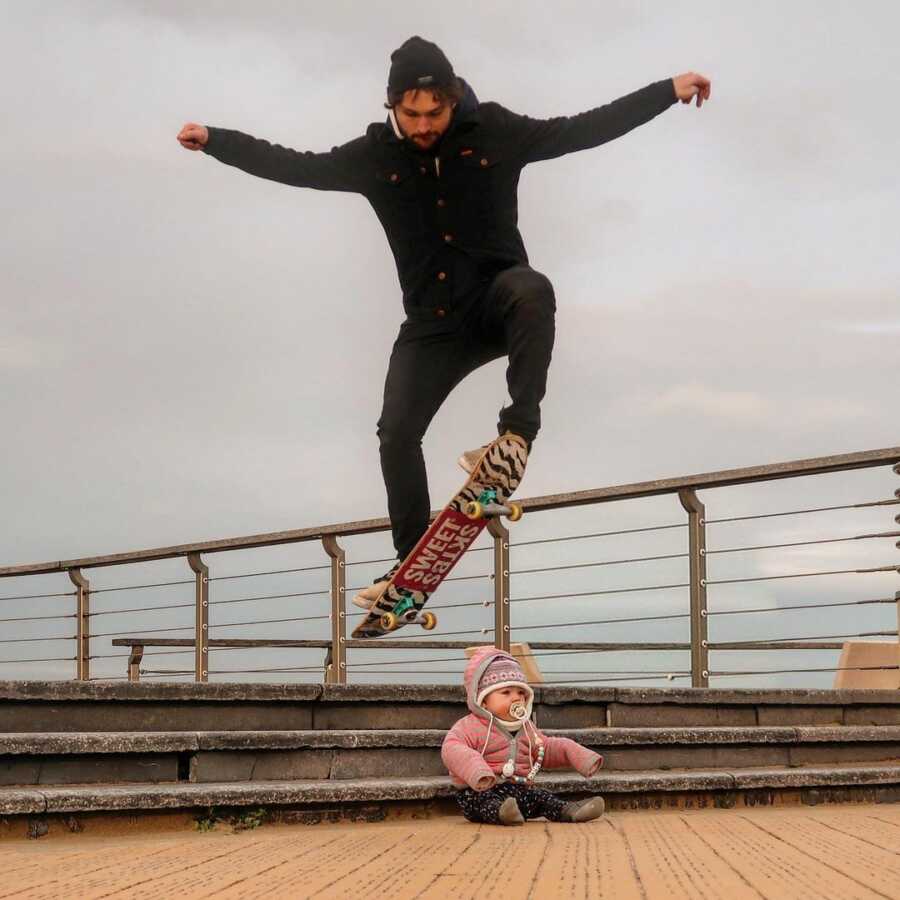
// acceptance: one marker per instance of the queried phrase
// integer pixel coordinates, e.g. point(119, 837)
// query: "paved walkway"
point(833, 851)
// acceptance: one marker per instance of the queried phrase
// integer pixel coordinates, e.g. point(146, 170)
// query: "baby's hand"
point(485, 783)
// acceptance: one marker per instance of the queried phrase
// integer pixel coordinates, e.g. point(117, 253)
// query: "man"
point(442, 175)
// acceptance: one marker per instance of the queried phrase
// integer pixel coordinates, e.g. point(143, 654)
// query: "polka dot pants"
point(484, 806)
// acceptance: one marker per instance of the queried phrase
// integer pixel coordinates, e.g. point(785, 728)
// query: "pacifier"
point(518, 710)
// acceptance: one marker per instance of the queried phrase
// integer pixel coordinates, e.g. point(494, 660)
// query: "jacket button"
point(441, 201)
point(484, 162)
point(395, 177)
point(440, 312)
point(448, 238)
point(422, 169)
point(442, 276)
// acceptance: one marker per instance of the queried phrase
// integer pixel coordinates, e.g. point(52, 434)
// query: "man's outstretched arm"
point(341, 169)
point(548, 138)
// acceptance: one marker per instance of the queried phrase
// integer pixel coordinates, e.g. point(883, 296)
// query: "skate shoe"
point(470, 459)
point(370, 595)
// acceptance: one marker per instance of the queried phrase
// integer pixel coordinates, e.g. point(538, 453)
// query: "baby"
point(495, 753)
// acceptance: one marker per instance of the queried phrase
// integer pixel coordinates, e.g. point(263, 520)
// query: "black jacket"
point(451, 220)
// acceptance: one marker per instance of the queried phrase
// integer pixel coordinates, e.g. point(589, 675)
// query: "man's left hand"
point(691, 85)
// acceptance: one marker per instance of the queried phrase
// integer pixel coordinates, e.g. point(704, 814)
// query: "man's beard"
point(430, 144)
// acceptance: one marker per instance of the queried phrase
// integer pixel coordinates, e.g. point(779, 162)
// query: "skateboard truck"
point(486, 506)
point(405, 612)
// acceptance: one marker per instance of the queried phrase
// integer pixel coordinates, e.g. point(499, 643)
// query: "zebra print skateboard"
point(485, 493)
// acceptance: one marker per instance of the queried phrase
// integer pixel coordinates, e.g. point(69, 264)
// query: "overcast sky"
point(190, 353)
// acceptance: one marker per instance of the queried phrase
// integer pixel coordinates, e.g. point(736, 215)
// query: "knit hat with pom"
point(503, 671)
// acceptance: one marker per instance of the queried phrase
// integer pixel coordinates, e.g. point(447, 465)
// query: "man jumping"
point(442, 175)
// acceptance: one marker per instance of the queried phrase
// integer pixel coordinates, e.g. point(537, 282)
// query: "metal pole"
point(336, 661)
point(83, 625)
point(697, 552)
point(896, 469)
point(201, 619)
point(501, 583)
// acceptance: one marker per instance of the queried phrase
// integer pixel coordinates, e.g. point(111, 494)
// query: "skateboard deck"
point(484, 494)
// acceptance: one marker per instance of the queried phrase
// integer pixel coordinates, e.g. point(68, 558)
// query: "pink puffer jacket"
point(477, 746)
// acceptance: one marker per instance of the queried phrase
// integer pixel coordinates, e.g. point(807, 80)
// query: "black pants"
point(514, 318)
point(484, 806)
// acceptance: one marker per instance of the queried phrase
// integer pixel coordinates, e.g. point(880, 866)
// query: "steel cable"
point(581, 537)
point(611, 562)
point(797, 512)
point(139, 587)
point(807, 575)
point(736, 612)
point(39, 618)
point(40, 596)
point(44, 659)
point(272, 572)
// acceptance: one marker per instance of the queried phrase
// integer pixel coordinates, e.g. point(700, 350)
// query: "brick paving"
point(789, 852)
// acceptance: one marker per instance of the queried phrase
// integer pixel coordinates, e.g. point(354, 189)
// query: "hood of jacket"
point(479, 661)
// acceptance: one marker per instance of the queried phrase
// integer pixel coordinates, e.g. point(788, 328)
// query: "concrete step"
point(239, 756)
point(719, 787)
point(165, 707)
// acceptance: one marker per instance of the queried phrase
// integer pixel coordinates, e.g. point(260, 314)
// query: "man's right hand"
point(193, 136)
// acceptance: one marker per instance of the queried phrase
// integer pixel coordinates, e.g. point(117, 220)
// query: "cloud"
point(744, 407)
point(18, 352)
point(874, 328)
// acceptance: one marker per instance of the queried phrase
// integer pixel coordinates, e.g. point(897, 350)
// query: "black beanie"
point(419, 64)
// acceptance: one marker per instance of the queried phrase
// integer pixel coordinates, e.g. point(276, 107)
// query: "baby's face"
point(498, 702)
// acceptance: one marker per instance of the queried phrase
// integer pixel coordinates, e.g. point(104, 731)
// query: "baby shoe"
point(583, 810)
point(510, 814)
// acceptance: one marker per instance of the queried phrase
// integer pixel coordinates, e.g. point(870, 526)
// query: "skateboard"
point(484, 495)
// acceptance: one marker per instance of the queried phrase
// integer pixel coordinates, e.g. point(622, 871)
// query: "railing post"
point(501, 583)
point(896, 469)
point(201, 618)
point(336, 662)
point(134, 662)
point(83, 625)
point(697, 552)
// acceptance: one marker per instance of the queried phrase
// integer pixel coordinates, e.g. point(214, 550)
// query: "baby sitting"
point(495, 753)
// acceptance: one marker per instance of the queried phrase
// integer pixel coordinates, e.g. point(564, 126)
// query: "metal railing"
point(336, 645)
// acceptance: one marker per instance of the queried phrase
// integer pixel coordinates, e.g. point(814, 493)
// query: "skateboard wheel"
point(515, 512)
point(474, 510)
point(429, 620)
point(388, 621)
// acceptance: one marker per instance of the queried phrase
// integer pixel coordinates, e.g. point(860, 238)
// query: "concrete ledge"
point(81, 743)
point(161, 690)
point(551, 695)
point(364, 739)
point(62, 742)
point(102, 797)
point(16, 801)
point(393, 693)
point(743, 696)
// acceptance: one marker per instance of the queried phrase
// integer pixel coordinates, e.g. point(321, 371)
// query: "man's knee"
point(526, 287)
point(394, 434)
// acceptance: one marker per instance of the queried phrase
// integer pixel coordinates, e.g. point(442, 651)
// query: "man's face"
point(422, 118)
